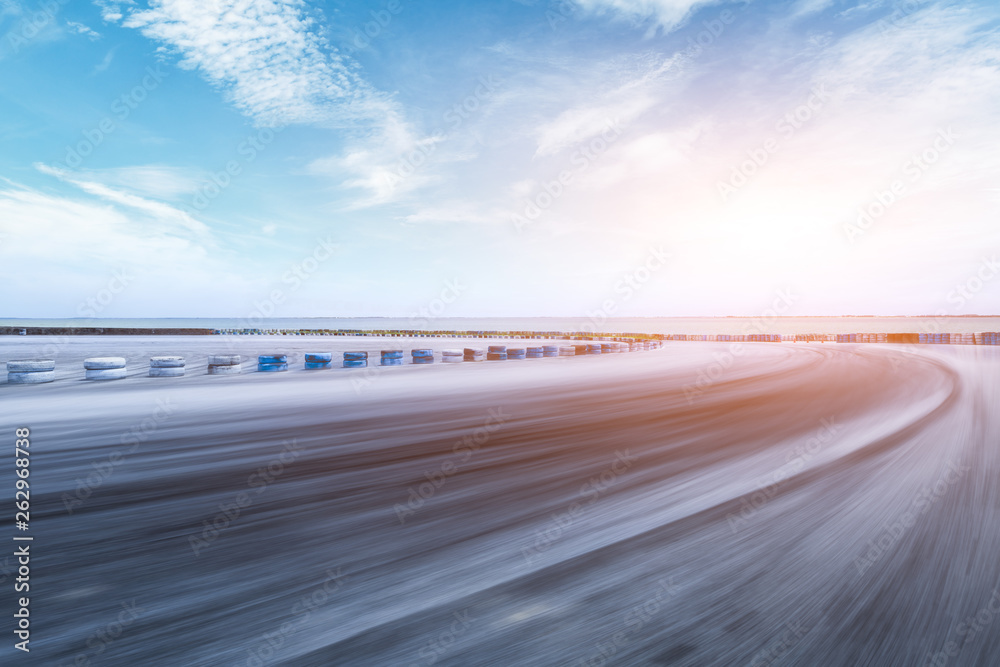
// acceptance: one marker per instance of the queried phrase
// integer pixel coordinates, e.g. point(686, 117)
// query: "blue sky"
point(666, 157)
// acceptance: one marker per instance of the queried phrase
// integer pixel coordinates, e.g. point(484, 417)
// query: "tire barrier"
point(31, 366)
point(104, 368)
point(474, 354)
point(496, 353)
point(356, 359)
point(517, 353)
point(392, 357)
point(31, 371)
point(594, 348)
point(452, 356)
point(550, 350)
point(581, 350)
point(166, 367)
point(567, 351)
point(422, 356)
point(316, 361)
point(272, 363)
point(225, 364)
point(535, 353)
point(105, 374)
point(103, 363)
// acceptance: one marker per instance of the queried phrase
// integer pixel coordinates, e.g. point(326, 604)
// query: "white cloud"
point(163, 217)
point(666, 14)
point(266, 56)
point(105, 62)
point(81, 29)
point(618, 106)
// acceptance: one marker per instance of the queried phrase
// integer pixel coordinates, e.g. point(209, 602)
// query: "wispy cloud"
point(667, 15)
point(265, 55)
point(166, 218)
point(84, 30)
point(105, 62)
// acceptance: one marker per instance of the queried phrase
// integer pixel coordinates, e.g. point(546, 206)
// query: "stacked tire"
point(474, 354)
point(496, 353)
point(422, 356)
point(356, 359)
point(31, 371)
point(517, 353)
point(104, 368)
point(392, 358)
point(535, 353)
point(452, 356)
point(272, 363)
point(316, 361)
point(166, 367)
point(567, 351)
point(225, 364)
point(550, 350)
point(581, 349)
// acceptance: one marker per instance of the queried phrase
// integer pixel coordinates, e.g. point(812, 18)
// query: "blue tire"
point(272, 367)
point(388, 361)
point(355, 363)
point(317, 357)
point(496, 356)
point(392, 354)
point(423, 360)
point(355, 356)
point(318, 365)
point(272, 359)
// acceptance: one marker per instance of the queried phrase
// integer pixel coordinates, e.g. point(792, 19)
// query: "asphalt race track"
point(702, 504)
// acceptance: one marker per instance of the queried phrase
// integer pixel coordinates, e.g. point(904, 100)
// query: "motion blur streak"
point(814, 505)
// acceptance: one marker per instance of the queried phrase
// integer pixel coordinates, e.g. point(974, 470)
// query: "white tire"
point(230, 369)
point(31, 365)
point(224, 360)
point(166, 362)
point(104, 363)
point(33, 377)
point(166, 372)
point(452, 359)
point(105, 373)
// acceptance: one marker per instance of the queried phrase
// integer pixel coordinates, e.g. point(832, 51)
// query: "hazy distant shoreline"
point(653, 325)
